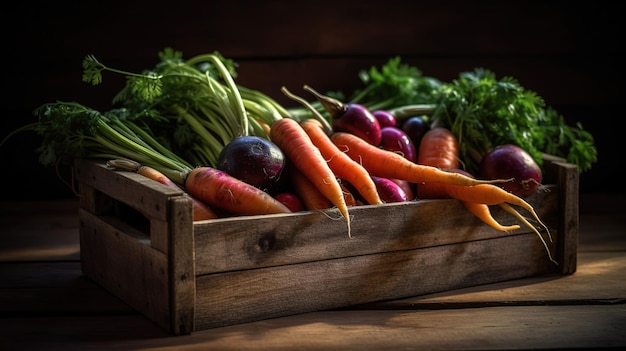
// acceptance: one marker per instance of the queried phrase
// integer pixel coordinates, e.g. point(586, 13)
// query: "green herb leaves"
point(481, 110)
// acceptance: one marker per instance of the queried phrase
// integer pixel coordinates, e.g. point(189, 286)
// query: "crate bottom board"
point(138, 275)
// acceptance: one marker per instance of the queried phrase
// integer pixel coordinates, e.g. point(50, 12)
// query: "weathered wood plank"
point(494, 328)
point(139, 192)
point(262, 241)
point(243, 296)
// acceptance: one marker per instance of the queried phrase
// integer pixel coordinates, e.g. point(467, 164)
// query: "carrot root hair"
point(514, 212)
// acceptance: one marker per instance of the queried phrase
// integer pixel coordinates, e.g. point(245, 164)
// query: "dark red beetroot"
point(254, 160)
point(385, 118)
point(510, 161)
point(350, 118)
point(415, 127)
point(396, 140)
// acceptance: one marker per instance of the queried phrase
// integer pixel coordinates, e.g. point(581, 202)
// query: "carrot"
point(439, 148)
point(347, 194)
point(490, 194)
point(219, 189)
point(481, 211)
point(477, 198)
point(289, 135)
point(201, 211)
point(341, 164)
point(382, 163)
point(311, 197)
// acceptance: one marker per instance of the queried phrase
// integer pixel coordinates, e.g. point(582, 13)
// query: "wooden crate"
point(138, 241)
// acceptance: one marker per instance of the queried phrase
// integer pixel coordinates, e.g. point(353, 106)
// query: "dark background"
point(570, 54)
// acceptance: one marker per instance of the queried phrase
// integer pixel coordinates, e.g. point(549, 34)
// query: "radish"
point(350, 118)
point(389, 191)
point(396, 140)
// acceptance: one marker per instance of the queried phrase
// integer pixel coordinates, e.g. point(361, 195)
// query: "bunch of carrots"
point(320, 154)
point(318, 157)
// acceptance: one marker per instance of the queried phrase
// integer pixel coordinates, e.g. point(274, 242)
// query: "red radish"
point(409, 188)
point(292, 201)
point(396, 140)
point(385, 118)
point(350, 118)
point(389, 191)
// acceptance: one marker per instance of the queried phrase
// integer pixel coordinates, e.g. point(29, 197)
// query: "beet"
point(254, 160)
point(510, 161)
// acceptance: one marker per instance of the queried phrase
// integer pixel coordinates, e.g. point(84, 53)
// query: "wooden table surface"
point(47, 304)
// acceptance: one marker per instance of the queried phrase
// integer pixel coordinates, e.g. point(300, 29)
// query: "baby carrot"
point(341, 164)
point(382, 163)
point(306, 157)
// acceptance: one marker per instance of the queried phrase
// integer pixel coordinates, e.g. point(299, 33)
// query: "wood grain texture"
point(47, 303)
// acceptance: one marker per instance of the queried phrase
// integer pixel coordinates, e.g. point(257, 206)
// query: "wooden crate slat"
point(244, 296)
point(144, 194)
point(262, 241)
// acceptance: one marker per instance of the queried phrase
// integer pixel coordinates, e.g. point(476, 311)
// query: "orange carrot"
point(439, 148)
point(341, 164)
point(382, 163)
point(201, 210)
point(481, 211)
point(306, 157)
point(311, 197)
point(219, 189)
point(347, 194)
point(490, 194)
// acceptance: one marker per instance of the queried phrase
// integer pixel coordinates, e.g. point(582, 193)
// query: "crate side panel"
point(144, 194)
point(126, 266)
point(245, 243)
point(244, 296)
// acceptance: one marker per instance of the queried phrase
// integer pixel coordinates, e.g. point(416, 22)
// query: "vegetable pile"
point(235, 151)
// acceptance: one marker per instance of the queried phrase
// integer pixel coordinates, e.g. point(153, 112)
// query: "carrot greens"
point(480, 109)
point(197, 98)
